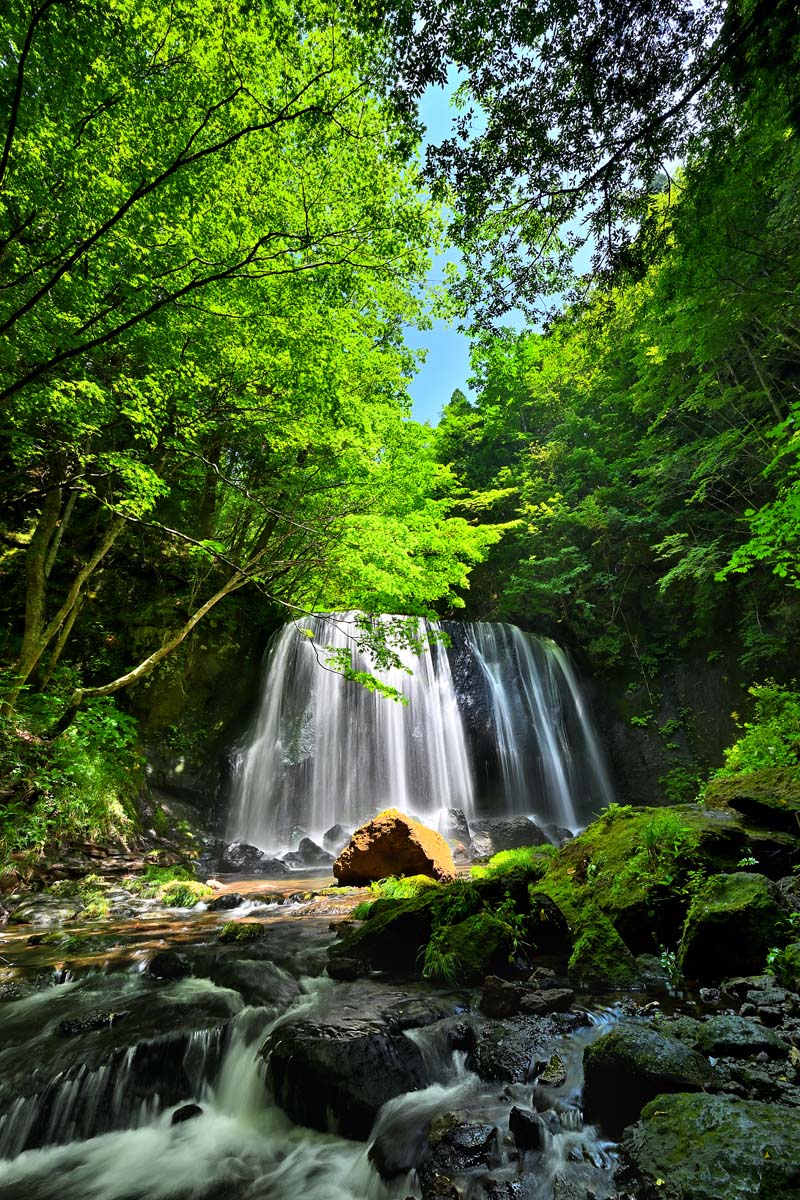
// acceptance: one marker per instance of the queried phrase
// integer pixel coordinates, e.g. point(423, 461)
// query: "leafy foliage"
point(81, 787)
point(771, 738)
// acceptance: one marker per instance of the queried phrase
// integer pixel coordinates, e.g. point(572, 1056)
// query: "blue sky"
point(446, 366)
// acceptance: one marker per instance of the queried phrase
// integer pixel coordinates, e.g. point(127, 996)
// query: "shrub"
point(772, 737)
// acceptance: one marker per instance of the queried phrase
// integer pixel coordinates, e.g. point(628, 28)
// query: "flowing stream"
point(88, 1110)
point(495, 724)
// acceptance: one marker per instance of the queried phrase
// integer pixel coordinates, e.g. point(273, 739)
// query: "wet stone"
point(226, 901)
point(507, 1189)
point(346, 968)
point(436, 1186)
point(543, 977)
point(553, 1072)
point(525, 1128)
point(186, 1113)
point(550, 1001)
point(499, 998)
point(738, 1037)
point(89, 1023)
point(457, 1147)
point(168, 964)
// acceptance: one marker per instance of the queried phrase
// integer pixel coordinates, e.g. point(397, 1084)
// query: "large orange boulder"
point(394, 844)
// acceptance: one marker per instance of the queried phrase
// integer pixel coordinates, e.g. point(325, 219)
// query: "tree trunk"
point(148, 664)
point(36, 561)
point(37, 638)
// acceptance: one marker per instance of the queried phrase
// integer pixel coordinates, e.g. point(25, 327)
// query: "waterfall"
point(494, 724)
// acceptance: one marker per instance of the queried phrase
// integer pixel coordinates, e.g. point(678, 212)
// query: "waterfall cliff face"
point(495, 724)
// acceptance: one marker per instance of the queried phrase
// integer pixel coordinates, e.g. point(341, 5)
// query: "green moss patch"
point(769, 797)
point(236, 932)
point(732, 922)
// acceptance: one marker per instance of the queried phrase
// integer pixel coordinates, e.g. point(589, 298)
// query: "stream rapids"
point(103, 1069)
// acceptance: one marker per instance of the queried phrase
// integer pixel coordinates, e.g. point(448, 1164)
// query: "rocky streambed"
point(182, 1054)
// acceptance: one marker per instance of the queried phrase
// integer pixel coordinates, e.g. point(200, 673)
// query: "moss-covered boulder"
point(394, 937)
point(702, 1147)
point(627, 1067)
point(480, 946)
point(733, 921)
point(730, 1036)
point(600, 958)
point(630, 866)
point(769, 797)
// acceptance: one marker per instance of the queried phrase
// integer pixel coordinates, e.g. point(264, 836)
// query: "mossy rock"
point(701, 1147)
point(733, 921)
point(769, 797)
point(184, 893)
point(236, 932)
point(632, 1064)
point(480, 946)
point(599, 956)
point(393, 936)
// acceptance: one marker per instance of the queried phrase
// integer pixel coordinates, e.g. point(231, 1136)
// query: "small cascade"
point(495, 724)
point(125, 1092)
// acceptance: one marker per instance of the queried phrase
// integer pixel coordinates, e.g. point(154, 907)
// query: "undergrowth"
point(81, 786)
point(533, 859)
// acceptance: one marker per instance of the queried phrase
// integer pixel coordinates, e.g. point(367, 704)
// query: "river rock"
point(511, 1050)
point(548, 1000)
point(308, 854)
point(453, 826)
point(557, 834)
point(168, 964)
point(525, 1128)
point(225, 901)
point(238, 858)
point(393, 844)
point(697, 1147)
point(499, 998)
point(737, 1037)
point(336, 838)
point(627, 1067)
point(481, 846)
point(508, 833)
point(336, 1080)
point(457, 1145)
point(187, 1112)
point(333, 1070)
point(553, 1073)
point(730, 926)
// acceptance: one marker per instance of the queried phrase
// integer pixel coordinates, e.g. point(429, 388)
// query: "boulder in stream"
point(168, 964)
point(393, 844)
point(336, 838)
point(238, 858)
point(308, 854)
point(508, 833)
point(335, 1070)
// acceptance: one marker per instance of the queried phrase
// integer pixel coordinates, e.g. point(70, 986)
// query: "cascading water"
point(495, 723)
point(324, 749)
point(533, 745)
